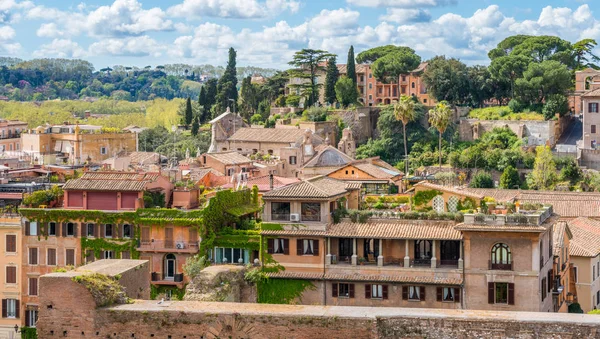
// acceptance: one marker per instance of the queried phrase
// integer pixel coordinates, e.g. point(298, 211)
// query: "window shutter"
point(404, 292)
point(334, 290)
point(384, 291)
point(367, 291)
point(39, 232)
point(102, 231)
point(491, 293)
point(351, 290)
point(83, 230)
point(316, 247)
point(27, 227)
point(422, 289)
point(457, 294)
point(550, 281)
point(11, 274)
point(270, 245)
point(589, 107)
point(47, 229)
point(4, 306)
point(438, 295)
point(64, 229)
point(17, 309)
point(75, 229)
point(27, 319)
point(511, 294)
point(96, 230)
point(286, 246)
point(299, 245)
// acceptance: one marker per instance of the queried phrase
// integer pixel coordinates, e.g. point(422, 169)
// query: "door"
point(345, 248)
point(169, 267)
point(102, 201)
point(449, 252)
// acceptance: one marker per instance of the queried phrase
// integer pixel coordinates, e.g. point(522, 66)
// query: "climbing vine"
point(28, 333)
point(423, 197)
point(281, 291)
point(176, 293)
point(115, 245)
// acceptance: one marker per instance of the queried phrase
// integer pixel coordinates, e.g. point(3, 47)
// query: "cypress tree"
point(331, 78)
point(211, 96)
point(227, 85)
point(189, 114)
point(195, 127)
point(351, 67)
point(202, 104)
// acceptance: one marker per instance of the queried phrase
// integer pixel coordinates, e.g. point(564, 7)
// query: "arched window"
point(422, 250)
point(412, 85)
point(438, 204)
point(170, 268)
point(501, 258)
point(452, 204)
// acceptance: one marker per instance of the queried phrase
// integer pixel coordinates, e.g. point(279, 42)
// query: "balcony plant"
point(361, 260)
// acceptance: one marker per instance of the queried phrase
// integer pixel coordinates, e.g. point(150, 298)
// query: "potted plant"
point(361, 260)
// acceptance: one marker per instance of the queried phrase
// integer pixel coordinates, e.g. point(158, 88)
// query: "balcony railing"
point(421, 262)
point(508, 266)
point(160, 276)
point(280, 216)
point(170, 245)
point(449, 262)
point(311, 217)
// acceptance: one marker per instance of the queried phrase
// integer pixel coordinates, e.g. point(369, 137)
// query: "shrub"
point(292, 100)
point(315, 114)
point(256, 119)
point(482, 180)
point(193, 265)
point(556, 103)
point(515, 105)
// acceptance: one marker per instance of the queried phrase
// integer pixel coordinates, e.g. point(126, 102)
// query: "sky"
point(266, 33)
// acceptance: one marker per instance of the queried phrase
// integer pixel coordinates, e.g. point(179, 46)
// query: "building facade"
point(10, 135)
point(11, 254)
point(584, 253)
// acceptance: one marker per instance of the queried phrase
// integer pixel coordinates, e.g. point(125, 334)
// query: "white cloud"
point(335, 22)
point(10, 10)
point(132, 46)
point(244, 9)
point(7, 45)
point(401, 3)
point(405, 16)
point(60, 48)
point(49, 30)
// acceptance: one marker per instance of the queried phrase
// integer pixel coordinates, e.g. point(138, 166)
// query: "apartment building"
point(10, 135)
point(584, 251)
point(562, 285)
point(11, 254)
point(76, 144)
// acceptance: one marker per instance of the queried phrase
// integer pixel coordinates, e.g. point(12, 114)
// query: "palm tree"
point(404, 110)
point(439, 117)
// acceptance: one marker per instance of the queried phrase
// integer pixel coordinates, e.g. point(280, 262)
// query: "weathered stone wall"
point(221, 283)
point(137, 282)
point(536, 132)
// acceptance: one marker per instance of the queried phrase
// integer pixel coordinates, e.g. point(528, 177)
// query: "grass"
point(503, 113)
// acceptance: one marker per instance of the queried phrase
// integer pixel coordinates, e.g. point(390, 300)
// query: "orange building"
point(10, 135)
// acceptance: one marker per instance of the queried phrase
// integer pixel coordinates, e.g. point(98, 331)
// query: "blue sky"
point(266, 33)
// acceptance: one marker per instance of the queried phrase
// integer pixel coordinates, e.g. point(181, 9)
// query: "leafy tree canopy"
point(390, 61)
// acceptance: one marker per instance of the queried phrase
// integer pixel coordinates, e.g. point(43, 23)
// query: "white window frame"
point(33, 228)
point(376, 291)
point(108, 255)
point(87, 230)
point(112, 231)
point(417, 290)
point(11, 308)
point(103, 150)
point(32, 316)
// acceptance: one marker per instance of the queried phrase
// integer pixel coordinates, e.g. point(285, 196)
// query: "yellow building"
point(76, 144)
point(10, 285)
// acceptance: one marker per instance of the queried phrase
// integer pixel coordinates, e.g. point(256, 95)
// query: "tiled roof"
point(502, 228)
point(592, 93)
point(197, 174)
point(263, 182)
point(296, 275)
point(566, 204)
point(403, 229)
point(456, 190)
point(500, 195)
point(377, 172)
point(353, 185)
point(420, 68)
point(315, 188)
point(558, 236)
point(393, 279)
point(276, 135)
point(328, 156)
point(229, 158)
point(111, 181)
point(586, 237)
point(295, 233)
point(138, 157)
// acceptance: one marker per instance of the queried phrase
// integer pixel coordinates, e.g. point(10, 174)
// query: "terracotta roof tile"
point(364, 277)
point(328, 156)
point(403, 229)
point(586, 237)
point(229, 158)
point(296, 275)
point(263, 182)
point(295, 233)
point(111, 181)
point(315, 188)
point(456, 190)
point(592, 93)
point(276, 135)
point(377, 172)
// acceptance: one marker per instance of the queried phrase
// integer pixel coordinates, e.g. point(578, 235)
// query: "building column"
point(535, 256)
point(328, 256)
point(406, 257)
point(380, 256)
point(460, 256)
point(354, 256)
point(433, 258)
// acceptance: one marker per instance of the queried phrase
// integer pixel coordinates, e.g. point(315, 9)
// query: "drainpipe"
point(326, 250)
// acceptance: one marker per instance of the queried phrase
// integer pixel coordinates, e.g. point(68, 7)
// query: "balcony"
point(280, 216)
point(159, 278)
point(167, 246)
point(10, 136)
point(508, 266)
point(423, 262)
point(312, 217)
point(533, 217)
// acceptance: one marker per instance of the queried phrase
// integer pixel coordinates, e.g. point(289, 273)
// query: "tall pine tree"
point(189, 113)
point(211, 97)
point(202, 103)
point(351, 66)
point(195, 126)
point(331, 78)
point(227, 85)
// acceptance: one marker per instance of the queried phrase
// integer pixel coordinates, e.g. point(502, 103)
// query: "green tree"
point(506, 70)
point(227, 85)
point(195, 126)
point(189, 113)
point(264, 109)
point(202, 103)
point(211, 96)
point(556, 103)
point(308, 63)
point(331, 77)
point(536, 49)
point(250, 97)
point(351, 66)
point(482, 180)
point(510, 178)
point(481, 85)
point(541, 80)
point(346, 92)
point(404, 111)
point(584, 57)
point(447, 79)
point(440, 117)
point(390, 61)
point(543, 175)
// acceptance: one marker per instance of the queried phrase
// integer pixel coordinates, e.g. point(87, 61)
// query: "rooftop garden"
point(504, 113)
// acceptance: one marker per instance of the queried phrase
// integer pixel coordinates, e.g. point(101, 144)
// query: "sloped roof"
point(586, 237)
point(197, 174)
point(500, 195)
point(276, 135)
point(319, 187)
point(366, 277)
point(456, 190)
point(263, 182)
point(221, 116)
point(229, 157)
point(404, 229)
point(592, 93)
point(376, 171)
point(328, 156)
point(111, 181)
point(558, 236)
point(420, 68)
point(566, 204)
point(139, 157)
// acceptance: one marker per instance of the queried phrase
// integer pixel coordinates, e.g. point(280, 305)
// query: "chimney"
point(271, 181)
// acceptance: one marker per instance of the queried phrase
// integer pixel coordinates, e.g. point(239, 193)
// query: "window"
point(11, 274)
point(370, 75)
point(307, 247)
point(52, 228)
point(11, 243)
point(342, 290)
point(279, 246)
point(413, 293)
point(51, 257)
point(33, 286)
point(145, 239)
point(292, 160)
point(593, 107)
point(108, 231)
point(270, 152)
point(103, 150)
point(126, 231)
point(370, 97)
point(33, 256)
point(404, 78)
point(575, 273)
point(424, 101)
point(593, 127)
point(33, 228)
point(593, 273)
point(108, 255)
point(370, 86)
point(543, 287)
point(311, 211)
point(31, 317)
point(376, 291)
point(70, 229)
point(10, 308)
point(91, 230)
point(280, 211)
point(501, 257)
point(448, 294)
point(501, 293)
point(403, 90)
point(412, 85)
point(70, 257)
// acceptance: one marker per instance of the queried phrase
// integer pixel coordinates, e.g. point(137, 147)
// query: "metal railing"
point(310, 217)
point(280, 216)
point(421, 262)
point(168, 244)
point(160, 276)
point(508, 266)
point(449, 262)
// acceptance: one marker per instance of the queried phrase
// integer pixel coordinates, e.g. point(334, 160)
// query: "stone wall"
point(536, 132)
